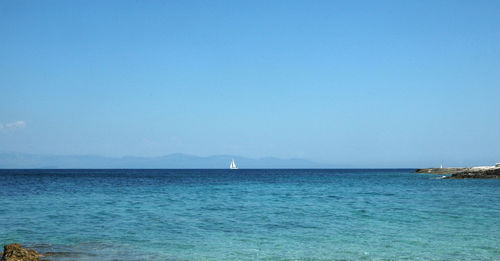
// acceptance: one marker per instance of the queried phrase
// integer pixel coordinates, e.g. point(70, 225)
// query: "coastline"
point(480, 172)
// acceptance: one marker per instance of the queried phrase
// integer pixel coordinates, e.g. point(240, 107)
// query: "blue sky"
point(374, 83)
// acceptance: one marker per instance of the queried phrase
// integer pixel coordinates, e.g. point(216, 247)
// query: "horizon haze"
point(187, 161)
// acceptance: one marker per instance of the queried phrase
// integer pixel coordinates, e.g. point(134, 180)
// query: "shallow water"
point(250, 215)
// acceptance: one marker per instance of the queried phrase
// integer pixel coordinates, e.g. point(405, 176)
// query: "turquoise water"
point(250, 215)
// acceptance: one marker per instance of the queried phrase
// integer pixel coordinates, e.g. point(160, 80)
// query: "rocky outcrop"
point(491, 173)
point(15, 252)
point(440, 170)
point(484, 172)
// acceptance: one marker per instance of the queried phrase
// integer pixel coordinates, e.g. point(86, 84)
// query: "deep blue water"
point(250, 215)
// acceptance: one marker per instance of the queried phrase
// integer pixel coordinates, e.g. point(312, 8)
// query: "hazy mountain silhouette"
point(174, 161)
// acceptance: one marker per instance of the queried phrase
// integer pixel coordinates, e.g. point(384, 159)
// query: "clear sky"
point(368, 83)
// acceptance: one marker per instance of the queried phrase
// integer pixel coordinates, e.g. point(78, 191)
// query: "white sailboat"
point(233, 165)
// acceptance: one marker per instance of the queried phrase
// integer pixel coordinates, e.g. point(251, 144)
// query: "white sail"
point(233, 165)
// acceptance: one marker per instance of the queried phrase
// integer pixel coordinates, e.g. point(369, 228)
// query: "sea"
point(250, 214)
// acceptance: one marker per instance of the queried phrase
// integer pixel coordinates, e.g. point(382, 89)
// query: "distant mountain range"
point(171, 161)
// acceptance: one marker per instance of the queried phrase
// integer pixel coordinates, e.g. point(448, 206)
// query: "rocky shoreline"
point(486, 172)
point(15, 252)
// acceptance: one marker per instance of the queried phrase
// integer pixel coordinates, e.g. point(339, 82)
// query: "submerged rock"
point(15, 252)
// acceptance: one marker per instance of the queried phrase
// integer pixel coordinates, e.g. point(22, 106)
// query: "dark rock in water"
point(440, 170)
point(491, 173)
point(15, 252)
point(66, 255)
